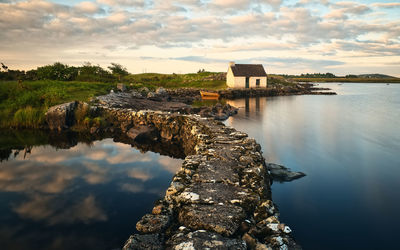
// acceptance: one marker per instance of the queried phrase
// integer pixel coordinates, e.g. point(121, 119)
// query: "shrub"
point(81, 113)
point(87, 122)
point(97, 122)
point(28, 117)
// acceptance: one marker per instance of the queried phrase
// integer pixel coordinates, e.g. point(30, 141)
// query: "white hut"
point(246, 76)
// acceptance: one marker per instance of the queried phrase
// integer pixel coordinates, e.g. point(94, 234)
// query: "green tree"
point(57, 71)
point(93, 73)
point(118, 70)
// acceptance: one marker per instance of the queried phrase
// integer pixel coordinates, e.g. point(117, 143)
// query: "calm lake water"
point(89, 196)
point(349, 147)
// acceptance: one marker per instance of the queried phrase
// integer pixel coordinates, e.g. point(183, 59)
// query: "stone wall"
point(219, 199)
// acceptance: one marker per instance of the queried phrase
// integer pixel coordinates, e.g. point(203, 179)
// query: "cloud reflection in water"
point(79, 187)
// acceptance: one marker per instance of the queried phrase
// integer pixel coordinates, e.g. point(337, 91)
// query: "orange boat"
point(209, 95)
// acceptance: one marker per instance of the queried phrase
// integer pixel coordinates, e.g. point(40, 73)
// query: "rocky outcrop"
point(219, 111)
point(271, 91)
point(61, 116)
point(162, 100)
point(281, 173)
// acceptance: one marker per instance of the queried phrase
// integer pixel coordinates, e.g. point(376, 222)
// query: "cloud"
point(88, 8)
point(297, 61)
point(342, 10)
point(170, 164)
point(140, 174)
point(46, 31)
point(386, 5)
point(52, 211)
point(125, 3)
point(25, 176)
point(198, 59)
point(133, 188)
point(234, 4)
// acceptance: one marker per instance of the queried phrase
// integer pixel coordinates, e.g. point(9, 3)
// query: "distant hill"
point(330, 75)
point(375, 76)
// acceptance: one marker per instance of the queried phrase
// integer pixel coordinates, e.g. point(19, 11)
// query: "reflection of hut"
point(246, 76)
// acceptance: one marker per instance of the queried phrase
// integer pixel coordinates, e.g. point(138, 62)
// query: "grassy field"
point(202, 80)
point(277, 80)
point(24, 104)
point(343, 79)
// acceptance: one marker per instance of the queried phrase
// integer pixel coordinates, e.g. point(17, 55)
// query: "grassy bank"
point(24, 104)
point(345, 79)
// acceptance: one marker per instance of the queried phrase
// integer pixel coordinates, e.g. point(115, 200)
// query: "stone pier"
point(220, 198)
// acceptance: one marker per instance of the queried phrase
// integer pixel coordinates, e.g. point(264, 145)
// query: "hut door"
point(247, 82)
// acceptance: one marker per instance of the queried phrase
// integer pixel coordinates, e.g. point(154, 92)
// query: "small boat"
point(209, 95)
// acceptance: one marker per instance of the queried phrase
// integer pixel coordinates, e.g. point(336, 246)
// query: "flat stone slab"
point(202, 239)
point(151, 223)
point(145, 241)
point(217, 193)
point(222, 219)
point(216, 171)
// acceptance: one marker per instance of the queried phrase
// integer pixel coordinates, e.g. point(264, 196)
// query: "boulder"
point(151, 94)
point(151, 223)
point(146, 241)
point(143, 133)
point(121, 87)
point(281, 173)
point(144, 91)
point(61, 116)
point(161, 91)
point(136, 94)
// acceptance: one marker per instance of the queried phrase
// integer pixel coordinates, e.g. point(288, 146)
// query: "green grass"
point(278, 81)
point(203, 80)
point(23, 105)
point(344, 79)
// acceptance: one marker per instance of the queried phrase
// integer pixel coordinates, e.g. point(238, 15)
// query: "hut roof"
point(248, 70)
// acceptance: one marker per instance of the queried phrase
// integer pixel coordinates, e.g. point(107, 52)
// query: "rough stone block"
point(151, 223)
point(202, 239)
point(222, 219)
point(147, 241)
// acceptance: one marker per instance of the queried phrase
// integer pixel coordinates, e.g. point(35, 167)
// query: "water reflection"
point(87, 196)
point(348, 146)
point(252, 108)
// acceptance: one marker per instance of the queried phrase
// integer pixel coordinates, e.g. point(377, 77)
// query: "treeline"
point(330, 75)
point(313, 75)
point(87, 72)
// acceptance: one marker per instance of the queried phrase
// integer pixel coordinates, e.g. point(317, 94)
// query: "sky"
point(168, 36)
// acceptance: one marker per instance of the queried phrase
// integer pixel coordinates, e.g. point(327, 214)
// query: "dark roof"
point(248, 70)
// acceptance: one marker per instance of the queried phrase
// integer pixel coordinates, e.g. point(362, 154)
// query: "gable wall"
point(230, 78)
